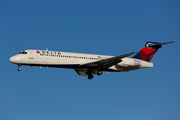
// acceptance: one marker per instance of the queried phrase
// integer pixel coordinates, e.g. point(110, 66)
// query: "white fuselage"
point(73, 60)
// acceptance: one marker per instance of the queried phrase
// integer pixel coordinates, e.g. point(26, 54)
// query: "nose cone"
point(15, 59)
point(12, 59)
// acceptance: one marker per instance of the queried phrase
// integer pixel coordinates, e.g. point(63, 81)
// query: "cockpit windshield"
point(23, 52)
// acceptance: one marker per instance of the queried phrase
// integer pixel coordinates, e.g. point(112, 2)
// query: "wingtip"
point(134, 52)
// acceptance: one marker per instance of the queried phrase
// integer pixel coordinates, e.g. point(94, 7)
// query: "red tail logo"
point(147, 52)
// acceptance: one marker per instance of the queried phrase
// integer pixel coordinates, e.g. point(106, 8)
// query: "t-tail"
point(149, 50)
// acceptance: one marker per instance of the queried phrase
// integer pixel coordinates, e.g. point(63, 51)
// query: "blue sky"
point(97, 27)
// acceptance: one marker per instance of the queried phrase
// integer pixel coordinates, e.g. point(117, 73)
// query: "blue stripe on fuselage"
point(69, 66)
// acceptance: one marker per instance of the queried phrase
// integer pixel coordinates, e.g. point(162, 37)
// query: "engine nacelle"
point(137, 63)
point(128, 63)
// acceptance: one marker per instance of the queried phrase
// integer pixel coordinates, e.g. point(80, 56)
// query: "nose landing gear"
point(19, 69)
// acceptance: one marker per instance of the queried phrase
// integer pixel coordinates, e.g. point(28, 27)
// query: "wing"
point(82, 72)
point(106, 63)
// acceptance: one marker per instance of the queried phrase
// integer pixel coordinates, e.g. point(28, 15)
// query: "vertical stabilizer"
point(148, 51)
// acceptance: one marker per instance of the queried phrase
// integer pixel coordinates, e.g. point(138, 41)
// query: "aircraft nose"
point(14, 59)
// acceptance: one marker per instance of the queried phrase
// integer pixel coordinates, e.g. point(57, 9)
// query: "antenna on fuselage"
point(47, 49)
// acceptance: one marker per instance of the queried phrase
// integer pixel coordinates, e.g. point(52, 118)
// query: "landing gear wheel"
point(19, 69)
point(99, 72)
point(90, 77)
point(19, 65)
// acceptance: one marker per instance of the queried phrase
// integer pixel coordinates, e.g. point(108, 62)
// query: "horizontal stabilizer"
point(161, 44)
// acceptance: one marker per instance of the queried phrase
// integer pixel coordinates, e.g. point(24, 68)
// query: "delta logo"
point(37, 52)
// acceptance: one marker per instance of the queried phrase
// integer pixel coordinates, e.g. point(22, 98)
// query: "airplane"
point(89, 64)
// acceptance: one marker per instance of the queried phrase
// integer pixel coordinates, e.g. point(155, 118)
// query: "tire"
point(99, 72)
point(19, 69)
point(90, 77)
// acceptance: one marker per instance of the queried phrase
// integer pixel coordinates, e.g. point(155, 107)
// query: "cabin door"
point(31, 55)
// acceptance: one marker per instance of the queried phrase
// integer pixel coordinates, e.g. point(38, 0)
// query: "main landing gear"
point(19, 69)
point(99, 72)
point(90, 75)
